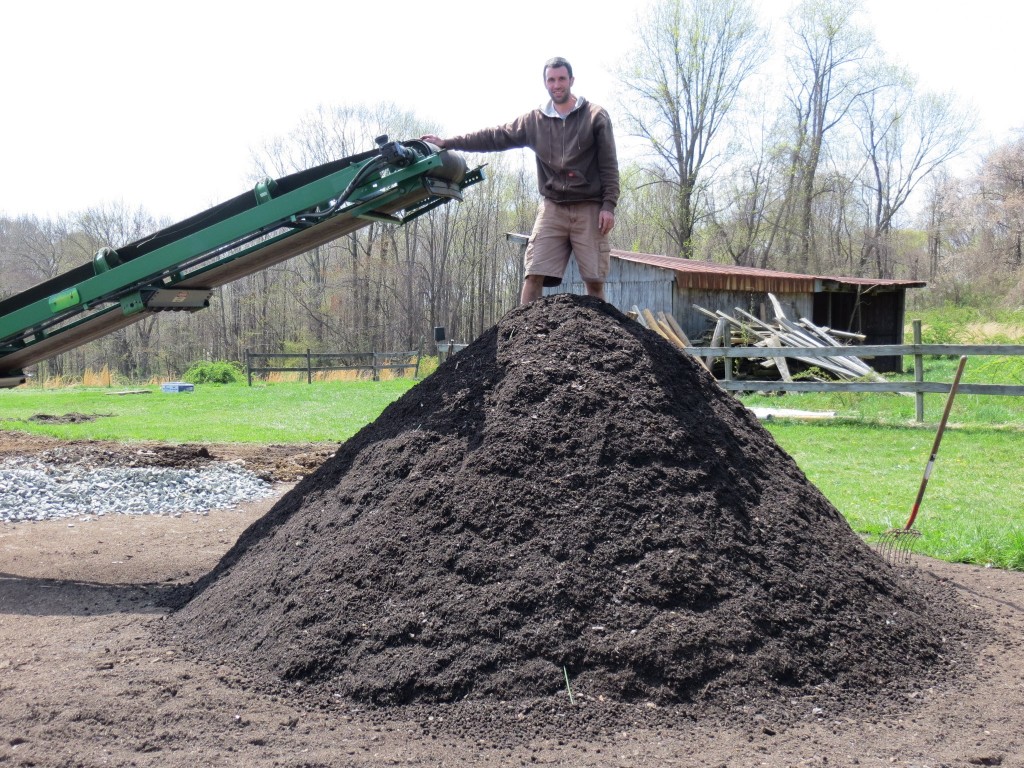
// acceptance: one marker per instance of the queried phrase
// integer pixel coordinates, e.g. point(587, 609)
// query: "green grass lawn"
point(972, 510)
point(213, 413)
point(868, 461)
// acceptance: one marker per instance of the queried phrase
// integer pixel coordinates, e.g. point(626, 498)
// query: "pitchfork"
point(897, 544)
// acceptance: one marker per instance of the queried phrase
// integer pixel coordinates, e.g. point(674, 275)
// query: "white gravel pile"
point(33, 490)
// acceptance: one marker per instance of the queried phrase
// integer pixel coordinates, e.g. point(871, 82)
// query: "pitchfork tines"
point(897, 544)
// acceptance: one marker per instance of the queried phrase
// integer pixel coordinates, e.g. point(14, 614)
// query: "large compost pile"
point(570, 498)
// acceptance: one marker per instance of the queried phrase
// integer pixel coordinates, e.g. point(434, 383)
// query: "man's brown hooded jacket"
point(576, 159)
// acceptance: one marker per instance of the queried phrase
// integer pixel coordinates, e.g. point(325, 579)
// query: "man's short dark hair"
point(555, 63)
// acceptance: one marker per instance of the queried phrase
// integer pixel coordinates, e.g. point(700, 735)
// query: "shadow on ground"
point(28, 596)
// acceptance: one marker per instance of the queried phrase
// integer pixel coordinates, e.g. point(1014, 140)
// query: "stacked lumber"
point(783, 332)
point(662, 324)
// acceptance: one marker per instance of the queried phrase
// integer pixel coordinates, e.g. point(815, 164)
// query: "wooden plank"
point(776, 307)
point(854, 367)
point(670, 326)
point(851, 363)
point(843, 364)
point(667, 332)
point(789, 339)
point(756, 321)
point(677, 329)
point(831, 335)
point(653, 324)
point(780, 362)
point(950, 349)
point(672, 335)
point(716, 340)
point(709, 313)
point(872, 350)
point(902, 387)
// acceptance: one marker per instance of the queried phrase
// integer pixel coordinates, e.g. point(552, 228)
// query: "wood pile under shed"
point(665, 326)
point(662, 324)
point(747, 330)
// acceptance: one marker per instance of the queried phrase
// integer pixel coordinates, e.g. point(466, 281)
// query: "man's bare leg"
point(533, 288)
point(596, 290)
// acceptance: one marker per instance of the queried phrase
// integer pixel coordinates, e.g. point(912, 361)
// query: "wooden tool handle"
point(935, 445)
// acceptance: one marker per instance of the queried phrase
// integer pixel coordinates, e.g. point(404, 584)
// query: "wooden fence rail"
point(317, 362)
point(918, 386)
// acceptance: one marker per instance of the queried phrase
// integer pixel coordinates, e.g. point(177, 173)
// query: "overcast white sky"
point(162, 104)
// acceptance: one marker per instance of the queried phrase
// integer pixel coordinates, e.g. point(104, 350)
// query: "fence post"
point(309, 368)
point(375, 374)
point(727, 342)
point(419, 354)
point(248, 368)
point(918, 374)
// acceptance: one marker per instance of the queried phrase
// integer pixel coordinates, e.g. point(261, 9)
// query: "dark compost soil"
point(568, 507)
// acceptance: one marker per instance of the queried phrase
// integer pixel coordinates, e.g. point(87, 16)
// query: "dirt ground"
point(83, 682)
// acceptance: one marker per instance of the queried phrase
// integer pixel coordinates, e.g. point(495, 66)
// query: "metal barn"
point(875, 308)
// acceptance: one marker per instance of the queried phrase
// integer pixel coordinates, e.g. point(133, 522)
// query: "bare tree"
point(906, 137)
point(34, 250)
point(1001, 185)
point(115, 225)
point(680, 86)
point(338, 288)
point(828, 50)
point(747, 206)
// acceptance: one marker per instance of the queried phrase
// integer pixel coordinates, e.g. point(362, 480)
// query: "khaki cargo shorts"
point(561, 229)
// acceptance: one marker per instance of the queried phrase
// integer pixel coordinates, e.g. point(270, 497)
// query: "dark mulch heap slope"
point(570, 494)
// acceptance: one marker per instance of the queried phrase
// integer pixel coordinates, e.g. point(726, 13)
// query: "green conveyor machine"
point(178, 267)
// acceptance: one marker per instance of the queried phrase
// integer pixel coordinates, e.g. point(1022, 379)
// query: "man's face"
point(558, 83)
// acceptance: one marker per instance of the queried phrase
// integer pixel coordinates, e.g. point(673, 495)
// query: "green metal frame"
point(389, 193)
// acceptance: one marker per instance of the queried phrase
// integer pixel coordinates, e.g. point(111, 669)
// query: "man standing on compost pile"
point(577, 175)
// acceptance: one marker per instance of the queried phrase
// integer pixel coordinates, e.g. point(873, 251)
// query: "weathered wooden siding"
point(878, 312)
point(628, 284)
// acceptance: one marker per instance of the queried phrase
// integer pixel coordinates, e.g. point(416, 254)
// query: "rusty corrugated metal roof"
point(705, 275)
